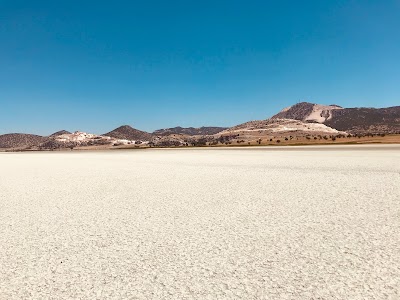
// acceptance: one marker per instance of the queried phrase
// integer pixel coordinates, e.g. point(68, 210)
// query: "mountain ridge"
point(61, 132)
point(204, 130)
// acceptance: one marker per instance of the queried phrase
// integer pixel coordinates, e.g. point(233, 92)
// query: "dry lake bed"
point(243, 223)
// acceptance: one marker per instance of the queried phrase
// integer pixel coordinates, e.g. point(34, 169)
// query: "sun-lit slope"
point(283, 126)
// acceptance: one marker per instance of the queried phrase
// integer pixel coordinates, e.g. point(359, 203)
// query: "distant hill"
point(308, 112)
point(353, 120)
point(76, 139)
point(59, 133)
point(128, 133)
point(189, 131)
point(20, 140)
point(281, 126)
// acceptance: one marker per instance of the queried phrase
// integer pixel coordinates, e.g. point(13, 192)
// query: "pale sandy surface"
point(293, 223)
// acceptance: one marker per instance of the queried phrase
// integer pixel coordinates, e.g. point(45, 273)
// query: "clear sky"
point(94, 65)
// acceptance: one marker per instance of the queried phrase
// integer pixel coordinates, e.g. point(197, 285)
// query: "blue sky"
point(95, 65)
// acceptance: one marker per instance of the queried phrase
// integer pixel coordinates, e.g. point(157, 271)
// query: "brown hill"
point(296, 112)
point(126, 132)
point(59, 133)
point(353, 120)
point(189, 131)
point(308, 112)
point(20, 140)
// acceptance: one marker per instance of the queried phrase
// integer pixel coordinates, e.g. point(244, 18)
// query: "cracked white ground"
point(249, 223)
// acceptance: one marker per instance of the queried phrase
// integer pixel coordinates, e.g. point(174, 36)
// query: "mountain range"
point(301, 119)
point(189, 131)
